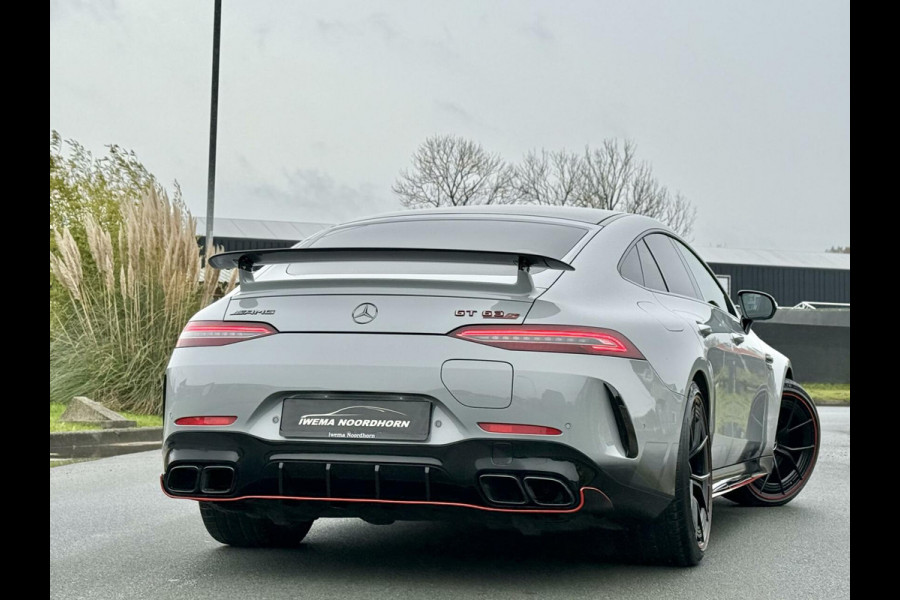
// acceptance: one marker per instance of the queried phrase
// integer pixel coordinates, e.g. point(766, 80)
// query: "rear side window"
point(631, 267)
point(545, 239)
point(709, 287)
point(677, 278)
point(492, 235)
point(653, 279)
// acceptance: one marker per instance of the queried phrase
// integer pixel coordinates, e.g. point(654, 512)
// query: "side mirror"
point(755, 306)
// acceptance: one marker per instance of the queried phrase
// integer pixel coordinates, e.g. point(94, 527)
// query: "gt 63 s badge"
point(487, 314)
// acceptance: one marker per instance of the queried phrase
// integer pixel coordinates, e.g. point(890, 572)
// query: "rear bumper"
point(386, 482)
point(579, 395)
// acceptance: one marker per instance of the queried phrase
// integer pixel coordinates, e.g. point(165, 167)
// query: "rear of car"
point(418, 367)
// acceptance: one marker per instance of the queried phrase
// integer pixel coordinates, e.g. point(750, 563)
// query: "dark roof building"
point(792, 277)
point(249, 234)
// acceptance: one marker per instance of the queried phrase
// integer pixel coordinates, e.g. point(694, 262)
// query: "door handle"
point(737, 338)
point(770, 359)
point(704, 329)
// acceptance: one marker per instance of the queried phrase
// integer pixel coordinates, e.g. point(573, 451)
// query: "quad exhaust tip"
point(189, 479)
point(217, 479)
point(183, 479)
point(547, 491)
point(502, 489)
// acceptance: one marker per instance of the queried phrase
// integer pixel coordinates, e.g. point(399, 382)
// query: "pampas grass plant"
point(112, 340)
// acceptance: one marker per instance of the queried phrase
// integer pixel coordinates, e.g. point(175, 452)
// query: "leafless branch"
point(452, 171)
point(549, 178)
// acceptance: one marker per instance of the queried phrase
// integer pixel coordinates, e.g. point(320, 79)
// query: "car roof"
point(571, 213)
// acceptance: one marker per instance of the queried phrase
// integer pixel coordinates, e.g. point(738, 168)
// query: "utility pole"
point(213, 122)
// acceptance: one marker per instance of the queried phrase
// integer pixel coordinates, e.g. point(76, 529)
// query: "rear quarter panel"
point(596, 295)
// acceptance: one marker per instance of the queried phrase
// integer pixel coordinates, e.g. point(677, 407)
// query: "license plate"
point(356, 418)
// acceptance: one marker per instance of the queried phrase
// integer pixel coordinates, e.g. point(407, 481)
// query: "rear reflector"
point(519, 429)
point(205, 420)
point(551, 338)
point(220, 333)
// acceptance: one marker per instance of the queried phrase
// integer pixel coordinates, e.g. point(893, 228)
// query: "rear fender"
point(702, 368)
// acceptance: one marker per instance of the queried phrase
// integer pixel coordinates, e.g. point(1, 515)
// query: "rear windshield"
point(545, 239)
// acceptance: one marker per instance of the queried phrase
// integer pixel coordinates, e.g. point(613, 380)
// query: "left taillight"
point(220, 333)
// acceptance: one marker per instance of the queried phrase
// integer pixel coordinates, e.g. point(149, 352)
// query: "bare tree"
point(549, 178)
point(614, 179)
point(452, 171)
point(680, 215)
point(608, 174)
point(608, 177)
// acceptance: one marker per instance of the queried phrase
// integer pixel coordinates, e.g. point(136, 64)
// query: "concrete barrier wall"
point(104, 442)
point(816, 341)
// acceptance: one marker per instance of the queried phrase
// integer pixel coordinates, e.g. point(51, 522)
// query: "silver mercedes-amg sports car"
point(531, 367)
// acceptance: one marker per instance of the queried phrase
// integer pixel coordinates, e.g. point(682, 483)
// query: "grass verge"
point(824, 394)
point(68, 461)
point(57, 408)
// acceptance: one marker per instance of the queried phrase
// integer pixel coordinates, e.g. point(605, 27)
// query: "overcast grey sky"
point(742, 106)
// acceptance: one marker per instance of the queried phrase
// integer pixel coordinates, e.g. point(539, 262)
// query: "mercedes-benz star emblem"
point(365, 313)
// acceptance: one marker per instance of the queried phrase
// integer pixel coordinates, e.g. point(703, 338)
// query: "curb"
point(104, 442)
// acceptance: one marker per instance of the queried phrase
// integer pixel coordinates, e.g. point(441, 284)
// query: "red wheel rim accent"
point(796, 451)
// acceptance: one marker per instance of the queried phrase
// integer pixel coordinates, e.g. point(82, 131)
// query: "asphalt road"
point(114, 535)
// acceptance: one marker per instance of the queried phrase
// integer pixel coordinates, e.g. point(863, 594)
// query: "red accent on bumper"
point(400, 502)
point(206, 420)
point(518, 429)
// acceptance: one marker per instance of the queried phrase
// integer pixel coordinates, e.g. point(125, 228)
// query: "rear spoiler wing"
point(249, 261)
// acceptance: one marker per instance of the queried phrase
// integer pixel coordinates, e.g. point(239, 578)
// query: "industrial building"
point(251, 234)
point(792, 277)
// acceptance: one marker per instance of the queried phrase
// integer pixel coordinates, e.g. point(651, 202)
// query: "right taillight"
point(220, 333)
point(551, 338)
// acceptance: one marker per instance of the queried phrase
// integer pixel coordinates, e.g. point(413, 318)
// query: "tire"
point(680, 535)
point(242, 530)
point(796, 450)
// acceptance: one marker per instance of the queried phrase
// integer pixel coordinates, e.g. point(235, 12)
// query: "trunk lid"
point(374, 312)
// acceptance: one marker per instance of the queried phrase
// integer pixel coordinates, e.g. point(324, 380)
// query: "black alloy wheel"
point(796, 449)
point(680, 535)
point(700, 463)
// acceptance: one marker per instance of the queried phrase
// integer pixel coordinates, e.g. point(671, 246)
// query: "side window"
point(653, 279)
point(631, 267)
point(709, 287)
point(667, 257)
